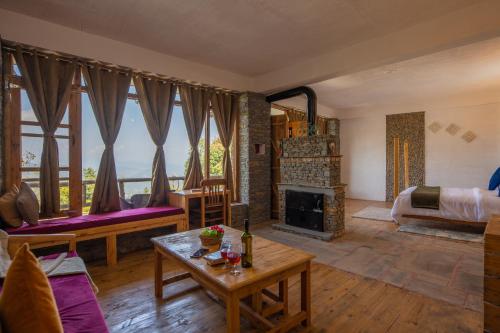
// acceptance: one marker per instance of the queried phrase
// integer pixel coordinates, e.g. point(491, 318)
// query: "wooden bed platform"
point(440, 219)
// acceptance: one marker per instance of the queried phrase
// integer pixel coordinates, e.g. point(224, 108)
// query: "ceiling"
point(246, 37)
point(468, 74)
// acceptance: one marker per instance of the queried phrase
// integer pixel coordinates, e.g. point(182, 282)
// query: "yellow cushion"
point(27, 303)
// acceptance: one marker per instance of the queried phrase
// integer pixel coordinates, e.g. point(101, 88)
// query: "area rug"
point(374, 213)
point(449, 234)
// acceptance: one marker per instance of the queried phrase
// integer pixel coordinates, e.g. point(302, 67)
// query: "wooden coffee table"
point(273, 263)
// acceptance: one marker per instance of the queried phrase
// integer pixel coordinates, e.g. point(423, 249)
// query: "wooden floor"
point(342, 301)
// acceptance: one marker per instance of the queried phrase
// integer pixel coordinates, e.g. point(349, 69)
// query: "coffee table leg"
point(283, 295)
point(158, 274)
point(232, 313)
point(305, 294)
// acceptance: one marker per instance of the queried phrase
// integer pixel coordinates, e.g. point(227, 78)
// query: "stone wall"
point(255, 164)
point(408, 127)
point(239, 212)
point(310, 161)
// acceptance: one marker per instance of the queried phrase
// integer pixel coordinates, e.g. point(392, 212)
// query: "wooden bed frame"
point(441, 219)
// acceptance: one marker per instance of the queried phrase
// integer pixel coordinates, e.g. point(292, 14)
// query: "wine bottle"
point(246, 247)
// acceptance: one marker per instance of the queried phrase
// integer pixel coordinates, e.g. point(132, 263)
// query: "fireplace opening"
point(304, 210)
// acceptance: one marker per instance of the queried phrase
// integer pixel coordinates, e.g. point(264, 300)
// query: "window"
point(31, 144)
point(216, 149)
point(81, 146)
point(134, 152)
point(177, 150)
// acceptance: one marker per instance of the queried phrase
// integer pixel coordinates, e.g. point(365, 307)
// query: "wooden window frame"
point(13, 138)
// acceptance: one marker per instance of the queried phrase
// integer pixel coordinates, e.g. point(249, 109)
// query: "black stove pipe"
point(311, 103)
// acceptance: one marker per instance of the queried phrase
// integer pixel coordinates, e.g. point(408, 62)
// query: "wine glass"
point(234, 257)
point(224, 249)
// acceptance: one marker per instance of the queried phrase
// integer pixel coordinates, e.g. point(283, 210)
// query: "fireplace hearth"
point(311, 197)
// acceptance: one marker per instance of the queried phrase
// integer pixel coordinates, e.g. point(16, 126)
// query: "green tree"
point(89, 174)
point(216, 157)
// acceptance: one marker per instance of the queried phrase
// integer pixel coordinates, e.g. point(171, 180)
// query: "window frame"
point(13, 137)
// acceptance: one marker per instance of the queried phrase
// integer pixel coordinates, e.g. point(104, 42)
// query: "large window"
point(81, 147)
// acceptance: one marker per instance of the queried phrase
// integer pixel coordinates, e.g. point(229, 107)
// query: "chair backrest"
point(213, 190)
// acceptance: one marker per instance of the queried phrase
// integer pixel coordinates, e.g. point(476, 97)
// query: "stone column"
point(255, 156)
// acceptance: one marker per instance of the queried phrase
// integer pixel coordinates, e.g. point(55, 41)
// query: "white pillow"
point(4, 253)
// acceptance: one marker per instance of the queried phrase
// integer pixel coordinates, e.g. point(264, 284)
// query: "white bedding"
point(463, 204)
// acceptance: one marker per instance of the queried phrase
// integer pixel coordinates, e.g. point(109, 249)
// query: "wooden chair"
point(214, 203)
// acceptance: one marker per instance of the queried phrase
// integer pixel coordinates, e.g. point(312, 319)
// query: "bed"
point(473, 206)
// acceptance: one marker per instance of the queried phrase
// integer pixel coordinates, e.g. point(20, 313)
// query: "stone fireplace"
point(311, 164)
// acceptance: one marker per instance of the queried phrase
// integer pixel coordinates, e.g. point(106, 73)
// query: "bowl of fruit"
point(212, 235)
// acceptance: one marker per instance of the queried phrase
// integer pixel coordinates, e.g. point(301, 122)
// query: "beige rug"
point(374, 213)
point(441, 233)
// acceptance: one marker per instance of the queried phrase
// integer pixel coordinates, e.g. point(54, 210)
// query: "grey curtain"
point(225, 108)
point(107, 91)
point(48, 85)
point(195, 103)
point(157, 99)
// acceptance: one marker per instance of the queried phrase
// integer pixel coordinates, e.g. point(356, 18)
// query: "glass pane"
point(177, 149)
point(16, 70)
point(31, 129)
point(63, 146)
point(131, 89)
point(31, 151)
point(92, 148)
point(27, 113)
point(134, 152)
point(65, 119)
point(63, 191)
point(26, 109)
point(216, 150)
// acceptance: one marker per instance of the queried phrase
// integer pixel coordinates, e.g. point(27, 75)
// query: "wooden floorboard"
point(342, 302)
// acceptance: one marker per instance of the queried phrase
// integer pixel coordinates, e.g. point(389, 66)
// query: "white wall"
point(362, 144)
point(32, 31)
point(450, 161)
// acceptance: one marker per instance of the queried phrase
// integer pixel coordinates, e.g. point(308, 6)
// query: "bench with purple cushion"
point(108, 225)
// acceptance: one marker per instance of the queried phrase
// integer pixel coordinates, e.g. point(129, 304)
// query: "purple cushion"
point(78, 307)
point(94, 220)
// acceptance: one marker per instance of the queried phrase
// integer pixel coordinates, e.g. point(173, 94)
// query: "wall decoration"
point(469, 136)
point(452, 129)
point(405, 152)
point(435, 127)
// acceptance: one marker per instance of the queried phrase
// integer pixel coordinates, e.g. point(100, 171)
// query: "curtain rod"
point(11, 47)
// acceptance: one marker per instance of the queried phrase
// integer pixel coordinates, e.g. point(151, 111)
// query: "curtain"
point(157, 104)
point(48, 85)
point(195, 103)
point(225, 108)
point(108, 90)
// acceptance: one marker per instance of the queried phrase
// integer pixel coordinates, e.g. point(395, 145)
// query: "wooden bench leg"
point(111, 255)
point(72, 245)
point(305, 294)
